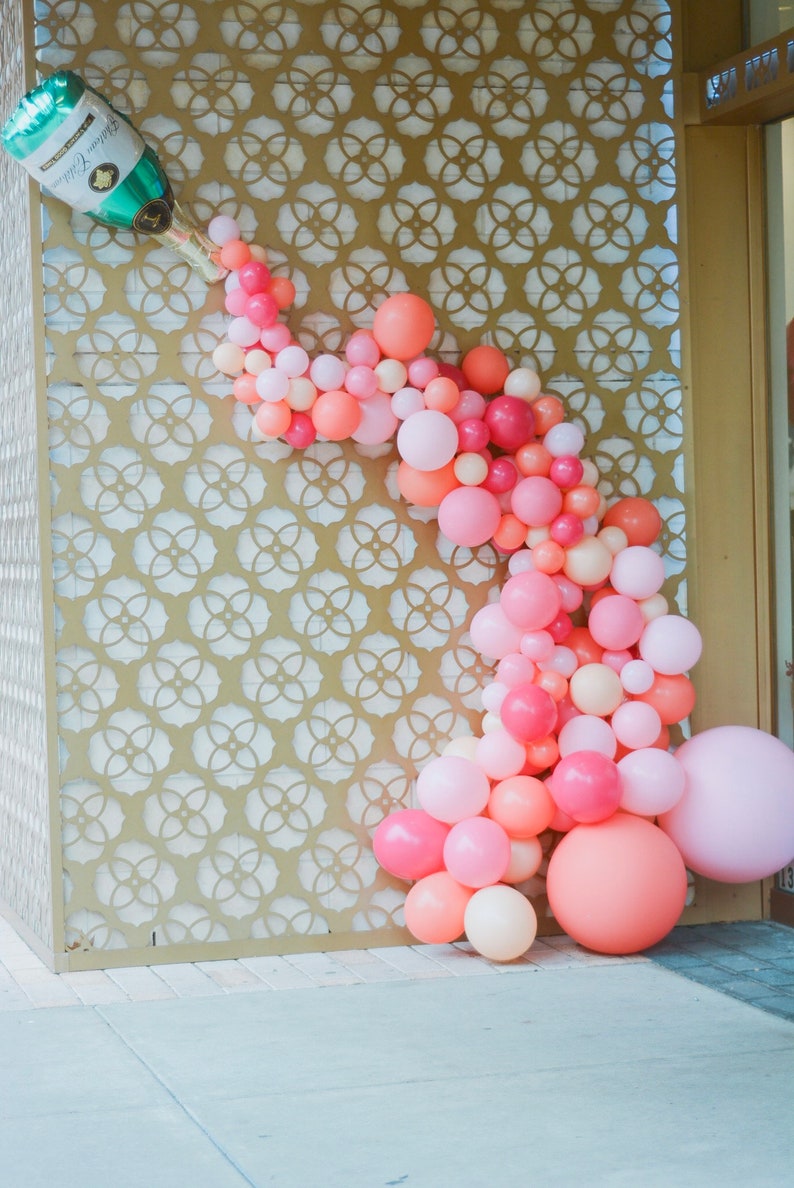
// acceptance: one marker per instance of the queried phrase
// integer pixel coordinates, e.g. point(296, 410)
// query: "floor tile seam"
point(725, 992)
point(175, 1098)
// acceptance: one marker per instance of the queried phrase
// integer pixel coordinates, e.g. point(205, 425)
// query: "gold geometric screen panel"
point(257, 649)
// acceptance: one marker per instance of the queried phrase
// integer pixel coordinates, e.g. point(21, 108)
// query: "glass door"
point(780, 257)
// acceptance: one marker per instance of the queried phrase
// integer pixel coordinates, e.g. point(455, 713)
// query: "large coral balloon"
point(404, 325)
point(618, 886)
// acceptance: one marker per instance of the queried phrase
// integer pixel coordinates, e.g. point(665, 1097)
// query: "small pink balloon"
point(362, 350)
point(421, 371)
point(637, 571)
point(586, 732)
point(652, 781)
point(636, 724)
point(500, 755)
point(477, 852)
point(327, 373)
point(637, 676)
point(361, 382)
point(492, 633)
point(528, 713)
point(427, 440)
point(406, 401)
point(378, 422)
point(586, 786)
point(671, 644)
point(471, 405)
point(616, 622)
point(409, 844)
point(275, 338)
point(451, 788)
point(468, 516)
point(536, 500)
point(515, 669)
point(531, 600)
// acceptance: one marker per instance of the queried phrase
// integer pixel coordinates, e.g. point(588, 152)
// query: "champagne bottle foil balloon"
point(84, 152)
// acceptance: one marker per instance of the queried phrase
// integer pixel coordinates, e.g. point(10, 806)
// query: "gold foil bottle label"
point(154, 218)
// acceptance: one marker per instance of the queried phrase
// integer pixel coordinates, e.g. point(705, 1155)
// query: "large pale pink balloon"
point(735, 820)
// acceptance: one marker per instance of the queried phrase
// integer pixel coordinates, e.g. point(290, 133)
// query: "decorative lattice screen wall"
point(256, 650)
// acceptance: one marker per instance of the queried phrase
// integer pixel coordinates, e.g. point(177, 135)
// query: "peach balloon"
point(435, 908)
point(526, 855)
point(500, 923)
point(596, 689)
point(522, 805)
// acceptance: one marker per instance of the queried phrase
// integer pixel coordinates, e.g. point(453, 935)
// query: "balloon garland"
point(591, 667)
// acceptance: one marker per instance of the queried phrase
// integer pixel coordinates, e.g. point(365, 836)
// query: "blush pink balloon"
point(637, 571)
point(671, 644)
point(477, 852)
point(427, 440)
point(378, 422)
point(735, 820)
point(451, 788)
point(636, 724)
point(500, 755)
point(652, 781)
point(586, 732)
point(492, 633)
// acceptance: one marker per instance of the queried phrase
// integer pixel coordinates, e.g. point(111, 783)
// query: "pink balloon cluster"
point(591, 665)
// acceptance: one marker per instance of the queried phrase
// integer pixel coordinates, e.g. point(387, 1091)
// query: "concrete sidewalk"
point(576, 1070)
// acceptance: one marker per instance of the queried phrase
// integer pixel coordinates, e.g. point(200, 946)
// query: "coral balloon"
point(435, 908)
point(500, 923)
point(426, 488)
point(522, 805)
point(403, 326)
point(637, 517)
point(673, 697)
point(618, 886)
point(486, 368)
point(735, 820)
point(410, 844)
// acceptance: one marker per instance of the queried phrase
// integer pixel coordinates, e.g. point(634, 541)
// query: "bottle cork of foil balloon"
point(81, 150)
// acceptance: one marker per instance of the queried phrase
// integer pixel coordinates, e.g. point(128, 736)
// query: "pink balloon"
point(536, 500)
point(362, 350)
point(586, 732)
point(735, 820)
point(500, 755)
point(586, 786)
point(531, 600)
point(528, 712)
point(409, 844)
point(477, 852)
point(427, 440)
point(451, 788)
point(652, 781)
point(637, 571)
point(407, 401)
point(637, 676)
point(492, 633)
point(361, 382)
point(378, 422)
point(327, 372)
point(671, 644)
point(515, 669)
point(616, 622)
point(636, 724)
point(468, 516)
